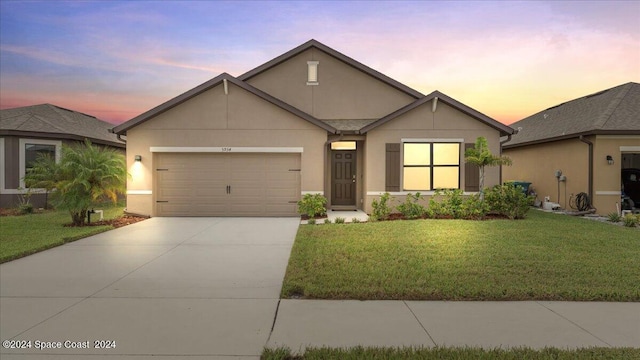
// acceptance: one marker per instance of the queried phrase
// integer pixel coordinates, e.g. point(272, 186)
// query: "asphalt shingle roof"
point(615, 110)
point(51, 119)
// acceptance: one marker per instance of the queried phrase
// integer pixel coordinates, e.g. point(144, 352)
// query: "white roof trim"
point(225, 149)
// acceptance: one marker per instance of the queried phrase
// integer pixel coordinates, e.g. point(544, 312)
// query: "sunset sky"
point(507, 59)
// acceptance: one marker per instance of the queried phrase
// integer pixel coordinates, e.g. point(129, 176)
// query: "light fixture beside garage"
point(138, 158)
point(610, 159)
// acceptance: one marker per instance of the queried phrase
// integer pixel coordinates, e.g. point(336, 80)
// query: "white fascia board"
point(439, 140)
point(225, 149)
point(139, 192)
point(630, 148)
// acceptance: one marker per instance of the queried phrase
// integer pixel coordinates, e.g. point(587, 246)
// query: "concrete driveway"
point(204, 287)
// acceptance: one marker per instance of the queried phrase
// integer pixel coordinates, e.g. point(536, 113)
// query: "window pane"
point(446, 154)
point(446, 177)
point(416, 178)
point(31, 152)
point(417, 154)
point(343, 145)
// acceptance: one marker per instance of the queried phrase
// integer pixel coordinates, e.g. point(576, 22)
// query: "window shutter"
point(471, 174)
point(392, 167)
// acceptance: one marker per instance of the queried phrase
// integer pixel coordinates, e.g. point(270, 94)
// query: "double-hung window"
point(430, 165)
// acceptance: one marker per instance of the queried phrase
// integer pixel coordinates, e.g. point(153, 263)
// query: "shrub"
point(312, 205)
point(340, 220)
point(614, 217)
point(630, 220)
point(473, 207)
point(381, 209)
point(327, 221)
point(508, 200)
point(311, 221)
point(410, 208)
point(355, 220)
point(449, 206)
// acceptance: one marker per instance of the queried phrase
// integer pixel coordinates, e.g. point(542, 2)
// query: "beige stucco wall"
point(213, 119)
point(538, 163)
point(422, 123)
point(342, 92)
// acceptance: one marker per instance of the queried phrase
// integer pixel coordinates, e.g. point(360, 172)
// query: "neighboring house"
point(590, 139)
point(28, 131)
point(309, 121)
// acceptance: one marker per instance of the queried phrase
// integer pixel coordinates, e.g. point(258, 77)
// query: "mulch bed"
point(124, 220)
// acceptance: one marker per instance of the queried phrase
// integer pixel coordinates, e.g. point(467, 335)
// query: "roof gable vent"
point(312, 72)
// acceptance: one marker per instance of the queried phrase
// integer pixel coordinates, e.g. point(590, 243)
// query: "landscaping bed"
point(542, 257)
point(27, 234)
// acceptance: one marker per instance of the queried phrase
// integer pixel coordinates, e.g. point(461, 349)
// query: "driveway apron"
point(202, 287)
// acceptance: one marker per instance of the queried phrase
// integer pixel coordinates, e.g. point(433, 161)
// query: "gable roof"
point(504, 129)
point(46, 120)
point(612, 111)
point(122, 128)
point(336, 54)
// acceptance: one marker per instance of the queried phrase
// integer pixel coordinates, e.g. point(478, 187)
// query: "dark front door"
point(343, 178)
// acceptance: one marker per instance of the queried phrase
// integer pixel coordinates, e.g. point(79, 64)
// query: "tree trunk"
point(78, 217)
point(481, 183)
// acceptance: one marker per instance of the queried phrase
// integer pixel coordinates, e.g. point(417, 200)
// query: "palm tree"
point(481, 156)
point(87, 174)
point(43, 174)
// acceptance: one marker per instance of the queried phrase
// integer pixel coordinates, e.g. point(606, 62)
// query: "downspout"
point(581, 138)
point(502, 142)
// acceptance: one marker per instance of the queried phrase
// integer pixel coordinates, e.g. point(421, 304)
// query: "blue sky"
point(117, 59)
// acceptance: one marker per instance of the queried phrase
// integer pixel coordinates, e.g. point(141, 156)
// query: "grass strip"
point(457, 353)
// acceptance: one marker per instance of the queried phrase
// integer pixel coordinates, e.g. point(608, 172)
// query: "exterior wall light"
point(610, 159)
point(138, 158)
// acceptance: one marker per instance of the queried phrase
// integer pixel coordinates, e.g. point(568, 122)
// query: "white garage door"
point(205, 184)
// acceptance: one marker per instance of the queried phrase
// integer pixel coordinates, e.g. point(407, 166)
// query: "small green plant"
point(473, 207)
point(340, 220)
point(311, 221)
point(508, 200)
point(381, 209)
point(327, 221)
point(410, 208)
point(24, 202)
point(450, 205)
point(614, 217)
point(355, 220)
point(312, 205)
point(630, 220)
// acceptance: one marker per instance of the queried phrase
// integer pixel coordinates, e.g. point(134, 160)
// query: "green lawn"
point(444, 353)
point(543, 257)
point(28, 234)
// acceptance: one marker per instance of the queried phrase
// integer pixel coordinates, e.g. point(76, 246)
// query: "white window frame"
point(430, 141)
point(22, 155)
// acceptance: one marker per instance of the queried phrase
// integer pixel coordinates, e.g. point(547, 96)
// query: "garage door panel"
point(193, 184)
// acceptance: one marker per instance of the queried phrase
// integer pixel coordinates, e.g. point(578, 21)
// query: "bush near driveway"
point(543, 257)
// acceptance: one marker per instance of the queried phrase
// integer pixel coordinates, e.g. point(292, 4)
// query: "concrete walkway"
point(535, 324)
point(208, 288)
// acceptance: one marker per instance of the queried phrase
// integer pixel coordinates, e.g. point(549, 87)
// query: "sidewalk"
point(534, 324)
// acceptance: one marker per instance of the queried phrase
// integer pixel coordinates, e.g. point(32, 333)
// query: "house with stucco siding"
point(311, 120)
point(589, 140)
